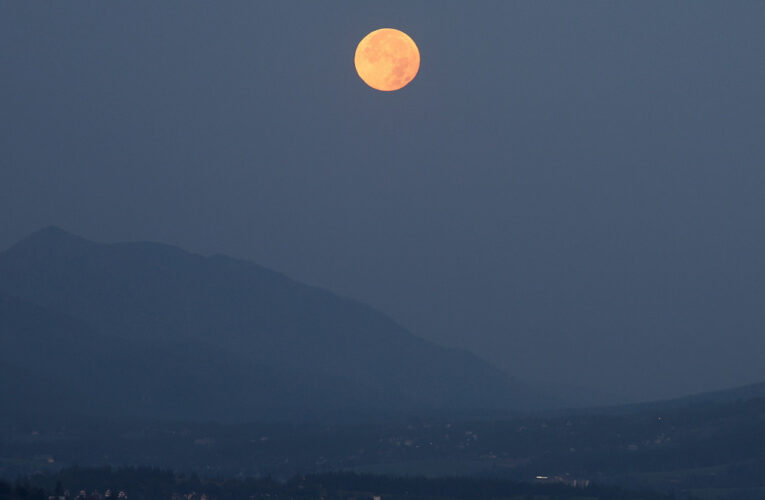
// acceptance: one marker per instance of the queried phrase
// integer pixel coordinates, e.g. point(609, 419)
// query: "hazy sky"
point(573, 190)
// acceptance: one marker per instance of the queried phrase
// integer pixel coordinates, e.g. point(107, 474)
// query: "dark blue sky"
point(573, 190)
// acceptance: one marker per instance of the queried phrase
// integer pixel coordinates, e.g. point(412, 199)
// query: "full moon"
point(387, 59)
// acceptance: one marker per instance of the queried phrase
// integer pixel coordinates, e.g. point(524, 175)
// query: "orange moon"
point(387, 59)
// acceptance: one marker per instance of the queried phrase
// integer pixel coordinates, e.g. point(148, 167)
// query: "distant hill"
point(703, 399)
point(146, 329)
point(742, 393)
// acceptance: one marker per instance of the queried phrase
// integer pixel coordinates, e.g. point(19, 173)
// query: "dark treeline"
point(145, 483)
point(22, 491)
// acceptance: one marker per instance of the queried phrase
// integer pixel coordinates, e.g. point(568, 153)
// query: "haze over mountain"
point(149, 330)
point(571, 190)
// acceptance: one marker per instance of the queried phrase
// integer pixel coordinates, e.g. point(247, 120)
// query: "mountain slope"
point(269, 343)
point(51, 362)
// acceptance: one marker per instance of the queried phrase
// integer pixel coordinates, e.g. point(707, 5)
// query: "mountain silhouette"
point(147, 329)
